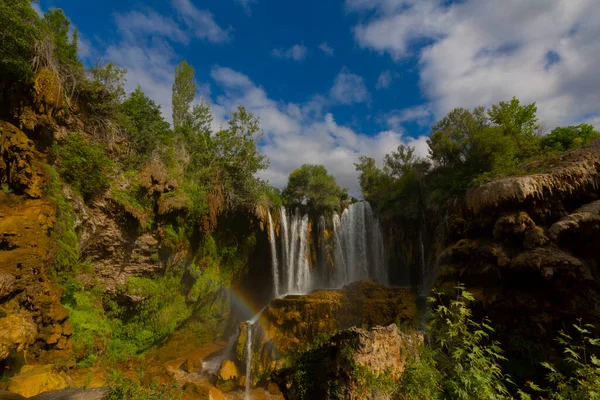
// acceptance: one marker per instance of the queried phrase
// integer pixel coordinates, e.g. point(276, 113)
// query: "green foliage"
point(91, 328)
point(57, 24)
point(83, 165)
point(66, 255)
point(465, 355)
point(18, 33)
point(159, 308)
point(135, 200)
point(146, 126)
point(467, 148)
point(122, 388)
point(313, 186)
point(566, 138)
point(184, 91)
point(421, 378)
point(100, 96)
point(579, 378)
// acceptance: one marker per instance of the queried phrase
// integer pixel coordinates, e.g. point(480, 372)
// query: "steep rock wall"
point(527, 248)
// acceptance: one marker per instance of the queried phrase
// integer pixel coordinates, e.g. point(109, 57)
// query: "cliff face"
point(294, 322)
point(29, 299)
point(527, 248)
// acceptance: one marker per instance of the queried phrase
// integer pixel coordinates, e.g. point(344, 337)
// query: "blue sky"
point(332, 80)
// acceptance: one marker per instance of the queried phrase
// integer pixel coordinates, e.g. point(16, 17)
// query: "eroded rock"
point(19, 169)
point(336, 369)
point(293, 322)
point(17, 333)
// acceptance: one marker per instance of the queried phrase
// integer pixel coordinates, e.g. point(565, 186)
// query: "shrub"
point(83, 165)
point(579, 377)
point(122, 388)
point(565, 138)
point(422, 379)
point(463, 351)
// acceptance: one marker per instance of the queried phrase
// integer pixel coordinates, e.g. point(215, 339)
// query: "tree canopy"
point(313, 186)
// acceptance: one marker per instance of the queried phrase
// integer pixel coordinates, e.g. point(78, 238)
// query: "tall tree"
point(147, 126)
point(313, 186)
point(18, 32)
point(58, 24)
point(184, 91)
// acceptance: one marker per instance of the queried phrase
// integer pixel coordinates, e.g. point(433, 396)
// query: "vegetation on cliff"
point(466, 148)
point(118, 154)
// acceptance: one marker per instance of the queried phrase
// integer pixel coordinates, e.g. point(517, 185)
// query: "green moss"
point(91, 328)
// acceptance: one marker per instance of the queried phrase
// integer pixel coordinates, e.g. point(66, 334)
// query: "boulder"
point(294, 322)
point(33, 380)
point(228, 370)
point(17, 333)
point(345, 366)
point(7, 285)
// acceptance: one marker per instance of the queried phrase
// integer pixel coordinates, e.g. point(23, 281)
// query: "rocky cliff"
point(31, 315)
point(527, 248)
point(292, 323)
point(352, 364)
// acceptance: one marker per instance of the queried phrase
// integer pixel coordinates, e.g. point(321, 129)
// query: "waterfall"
point(295, 266)
point(248, 360)
point(359, 250)
point(274, 263)
point(250, 325)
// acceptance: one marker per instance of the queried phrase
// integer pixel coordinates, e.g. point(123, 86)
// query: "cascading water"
point(274, 261)
point(248, 383)
point(248, 360)
point(295, 265)
point(359, 250)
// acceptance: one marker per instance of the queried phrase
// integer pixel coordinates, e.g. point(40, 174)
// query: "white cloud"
point(38, 9)
point(296, 134)
point(134, 23)
point(421, 114)
point(297, 52)
point(230, 79)
point(349, 88)
point(326, 48)
point(479, 53)
point(246, 5)
point(201, 22)
point(385, 79)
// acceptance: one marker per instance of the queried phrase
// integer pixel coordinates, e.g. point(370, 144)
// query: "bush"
point(83, 165)
point(465, 355)
point(566, 138)
point(422, 379)
point(122, 388)
point(579, 376)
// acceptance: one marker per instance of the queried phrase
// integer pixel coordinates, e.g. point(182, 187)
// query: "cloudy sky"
point(332, 80)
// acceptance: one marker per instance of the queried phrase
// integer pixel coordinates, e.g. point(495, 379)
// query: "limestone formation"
point(20, 172)
point(337, 368)
point(17, 333)
point(293, 322)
